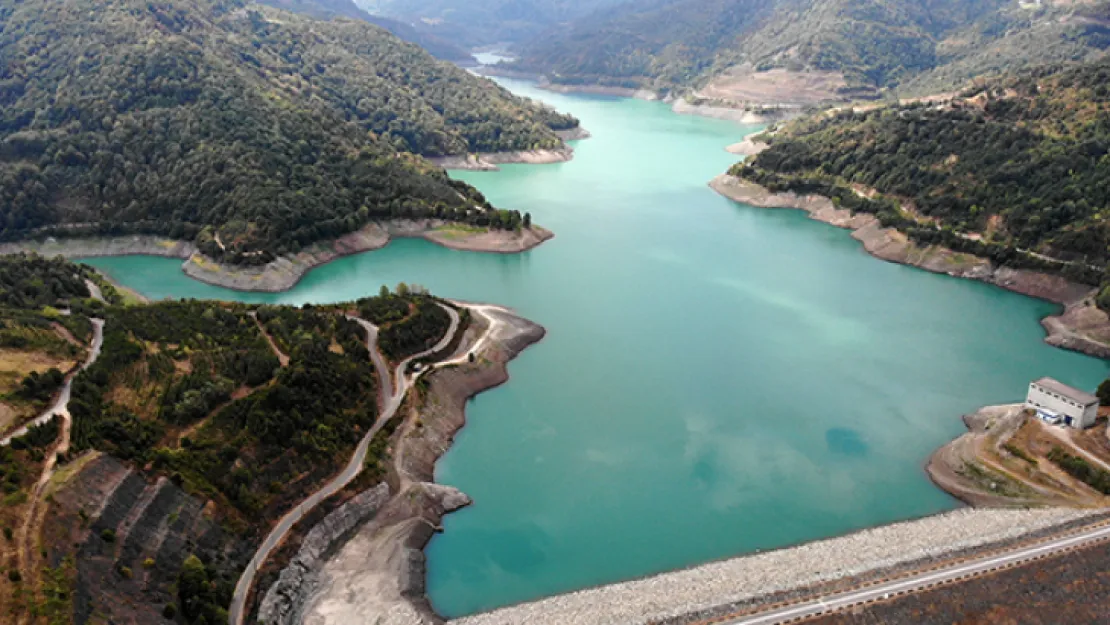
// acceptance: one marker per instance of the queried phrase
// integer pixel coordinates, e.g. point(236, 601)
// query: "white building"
point(1077, 408)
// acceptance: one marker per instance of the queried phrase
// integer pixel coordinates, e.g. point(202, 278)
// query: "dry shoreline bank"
point(1080, 327)
point(489, 161)
point(381, 569)
point(285, 272)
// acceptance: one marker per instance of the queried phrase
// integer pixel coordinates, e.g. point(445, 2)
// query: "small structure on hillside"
point(1078, 409)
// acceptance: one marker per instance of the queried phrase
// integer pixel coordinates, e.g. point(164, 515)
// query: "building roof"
point(1080, 397)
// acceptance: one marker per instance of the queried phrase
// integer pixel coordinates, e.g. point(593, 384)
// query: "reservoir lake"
point(716, 379)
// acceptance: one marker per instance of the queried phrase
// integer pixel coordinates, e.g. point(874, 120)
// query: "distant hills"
point(915, 46)
point(478, 23)
point(212, 120)
point(436, 46)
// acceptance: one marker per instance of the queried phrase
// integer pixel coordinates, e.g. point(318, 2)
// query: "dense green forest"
point(328, 9)
point(250, 130)
point(476, 23)
point(1016, 170)
point(669, 45)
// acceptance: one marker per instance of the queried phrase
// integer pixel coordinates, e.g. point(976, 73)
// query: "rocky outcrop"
point(285, 599)
point(1082, 327)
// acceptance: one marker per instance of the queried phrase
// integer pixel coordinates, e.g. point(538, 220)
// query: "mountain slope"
point(677, 45)
point(327, 9)
point(260, 129)
point(475, 23)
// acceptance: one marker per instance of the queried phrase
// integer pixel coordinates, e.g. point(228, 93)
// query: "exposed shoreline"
point(1081, 327)
point(742, 114)
point(381, 569)
point(748, 147)
point(285, 272)
point(489, 161)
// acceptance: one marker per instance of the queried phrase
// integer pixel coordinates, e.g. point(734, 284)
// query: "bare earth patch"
point(742, 84)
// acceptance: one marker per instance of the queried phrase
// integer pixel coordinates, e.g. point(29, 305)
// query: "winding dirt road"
point(60, 408)
point(391, 393)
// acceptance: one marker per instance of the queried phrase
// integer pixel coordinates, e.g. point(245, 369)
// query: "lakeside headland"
point(379, 567)
point(1080, 327)
point(286, 271)
point(748, 146)
point(489, 161)
point(1006, 459)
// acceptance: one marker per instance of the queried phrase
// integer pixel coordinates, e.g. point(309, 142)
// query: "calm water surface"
point(716, 378)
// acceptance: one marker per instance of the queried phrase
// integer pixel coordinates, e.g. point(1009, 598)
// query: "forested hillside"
point(1016, 170)
point(474, 23)
point(257, 128)
point(327, 9)
point(198, 426)
point(678, 44)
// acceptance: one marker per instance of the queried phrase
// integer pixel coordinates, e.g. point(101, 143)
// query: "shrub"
point(170, 611)
point(1081, 470)
point(108, 536)
point(14, 576)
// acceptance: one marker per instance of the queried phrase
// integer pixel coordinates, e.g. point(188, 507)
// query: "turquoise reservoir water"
point(716, 378)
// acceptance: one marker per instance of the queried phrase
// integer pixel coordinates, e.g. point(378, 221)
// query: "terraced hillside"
point(198, 425)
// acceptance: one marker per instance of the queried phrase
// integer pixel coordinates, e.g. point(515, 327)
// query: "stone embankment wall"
point(284, 600)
